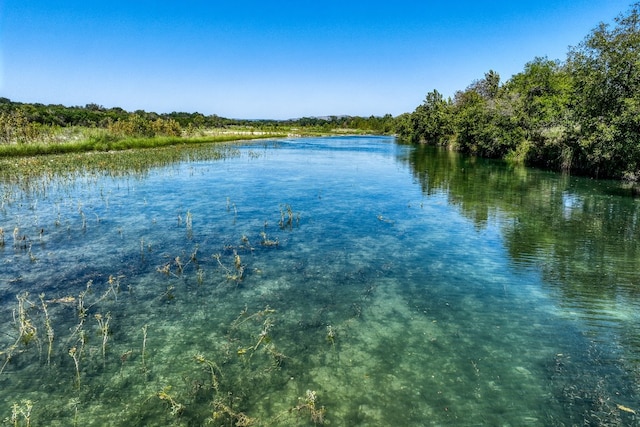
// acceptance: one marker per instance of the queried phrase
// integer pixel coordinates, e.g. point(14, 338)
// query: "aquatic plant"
point(199, 357)
point(27, 332)
point(114, 286)
point(103, 324)
point(32, 257)
point(168, 293)
point(268, 242)
point(73, 403)
point(20, 241)
point(252, 343)
point(23, 409)
point(245, 243)
point(287, 216)
point(73, 352)
point(48, 327)
point(179, 264)
point(331, 335)
point(222, 411)
point(308, 405)
point(175, 407)
point(236, 276)
point(189, 225)
point(143, 353)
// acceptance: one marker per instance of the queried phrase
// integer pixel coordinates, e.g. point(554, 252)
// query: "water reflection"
point(582, 235)
point(469, 293)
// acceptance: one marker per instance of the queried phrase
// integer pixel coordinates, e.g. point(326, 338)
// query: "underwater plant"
point(48, 327)
point(286, 217)
point(236, 276)
point(73, 352)
point(331, 335)
point(103, 324)
point(27, 332)
point(144, 347)
point(223, 411)
point(308, 405)
point(268, 242)
point(212, 370)
point(174, 407)
point(23, 409)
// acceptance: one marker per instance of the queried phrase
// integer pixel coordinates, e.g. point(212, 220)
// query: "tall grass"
point(109, 142)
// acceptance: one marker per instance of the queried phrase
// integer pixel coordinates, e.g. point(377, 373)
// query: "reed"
point(73, 352)
point(189, 225)
point(114, 286)
point(189, 220)
point(1, 237)
point(144, 348)
point(103, 324)
point(73, 403)
point(48, 327)
point(23, 409)
point(27, 331)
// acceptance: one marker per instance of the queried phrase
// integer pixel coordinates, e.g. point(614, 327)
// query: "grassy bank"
point(107, 142)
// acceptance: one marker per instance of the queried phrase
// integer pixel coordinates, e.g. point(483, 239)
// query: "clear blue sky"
point(260, 59)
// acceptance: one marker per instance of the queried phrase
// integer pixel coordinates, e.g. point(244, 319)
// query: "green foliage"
point(606, 69)
point(582, 116)
point(431, 122)
point(15, 127)
point(34, 129)
point(139, 126)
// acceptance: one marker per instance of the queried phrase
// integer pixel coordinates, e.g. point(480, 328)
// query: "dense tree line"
point(24, 122)
point(581, 115)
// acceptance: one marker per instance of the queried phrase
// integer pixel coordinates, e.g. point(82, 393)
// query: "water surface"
point(350, 280)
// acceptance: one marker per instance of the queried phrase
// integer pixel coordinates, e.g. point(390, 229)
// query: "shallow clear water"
point(348, 280)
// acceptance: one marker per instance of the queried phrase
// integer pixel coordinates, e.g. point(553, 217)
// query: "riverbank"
point(97, 140)
point(106, 142)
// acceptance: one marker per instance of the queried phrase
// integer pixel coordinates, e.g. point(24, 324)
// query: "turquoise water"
point(345, 281)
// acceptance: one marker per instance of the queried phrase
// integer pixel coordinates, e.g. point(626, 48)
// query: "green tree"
point(606, 70)
point(541, 97)
point(431, 122)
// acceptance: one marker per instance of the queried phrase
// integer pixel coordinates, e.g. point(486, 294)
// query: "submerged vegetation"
point(177, 286)
point(579, 116)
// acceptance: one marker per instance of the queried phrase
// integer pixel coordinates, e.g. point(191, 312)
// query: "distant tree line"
point(581, 115)
point(24, 122)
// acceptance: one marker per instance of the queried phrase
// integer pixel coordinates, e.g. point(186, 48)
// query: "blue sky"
point(277, 60)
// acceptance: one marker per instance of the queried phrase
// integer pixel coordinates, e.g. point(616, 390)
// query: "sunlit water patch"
point(299, 282)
